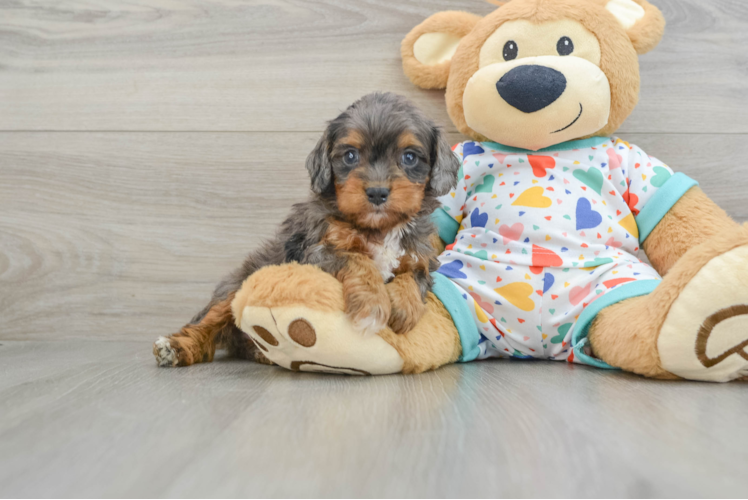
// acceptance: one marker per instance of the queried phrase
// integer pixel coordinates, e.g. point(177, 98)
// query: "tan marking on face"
point(352, 199)
point(408, 140)
point(352, 138)
point(404, 202)
point(405, 197)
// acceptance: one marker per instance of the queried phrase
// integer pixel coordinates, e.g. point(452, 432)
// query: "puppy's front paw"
point(404, 320)
point(369, 311)
point(165, 354)
point(407, 306)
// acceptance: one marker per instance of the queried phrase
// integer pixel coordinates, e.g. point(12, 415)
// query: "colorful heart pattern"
point(541, 164)
point(586, 217)
point(511, 233)
point(487, 185)
point(533, 198)
point(518, 294)
point(541, 236)
point(592, 178)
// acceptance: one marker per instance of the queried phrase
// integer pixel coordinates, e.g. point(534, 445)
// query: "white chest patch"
point(387, 254)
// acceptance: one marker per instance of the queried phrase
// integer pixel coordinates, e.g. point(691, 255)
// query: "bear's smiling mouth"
point(572, 123)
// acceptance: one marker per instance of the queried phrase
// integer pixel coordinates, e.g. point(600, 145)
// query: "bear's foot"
point(303, 339)
point(295, 315)
point(705, 333)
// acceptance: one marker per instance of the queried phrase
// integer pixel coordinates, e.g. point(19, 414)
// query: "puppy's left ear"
point(319, 167)
point(444, 164)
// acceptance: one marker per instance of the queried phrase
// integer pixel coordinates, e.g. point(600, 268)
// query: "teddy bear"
point(543, 232)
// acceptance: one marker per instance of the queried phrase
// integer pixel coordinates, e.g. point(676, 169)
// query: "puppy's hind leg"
point(196, 343)
point(240, 345)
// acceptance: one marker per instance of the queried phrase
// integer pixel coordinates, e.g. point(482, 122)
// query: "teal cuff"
point(446, 225)
point(457, 307)
point(581, 330)
point(661, 203)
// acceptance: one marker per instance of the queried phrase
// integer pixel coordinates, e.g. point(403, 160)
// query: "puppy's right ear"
point(319, 167)
point(428, 49)
point(445, 164)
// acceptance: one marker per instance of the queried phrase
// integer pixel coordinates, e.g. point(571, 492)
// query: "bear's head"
point(535, 73)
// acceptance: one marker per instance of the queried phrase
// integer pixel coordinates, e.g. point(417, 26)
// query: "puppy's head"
point(380, 159)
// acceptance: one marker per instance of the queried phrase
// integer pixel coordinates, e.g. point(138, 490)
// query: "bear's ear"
point(428, 49)
point(643, 22)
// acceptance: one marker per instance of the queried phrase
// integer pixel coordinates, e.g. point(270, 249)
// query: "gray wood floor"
point(146, 146)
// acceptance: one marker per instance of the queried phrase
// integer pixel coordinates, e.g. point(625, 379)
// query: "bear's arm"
point(692, 220)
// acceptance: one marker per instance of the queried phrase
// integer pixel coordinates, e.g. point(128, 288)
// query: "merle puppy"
point(375, 175)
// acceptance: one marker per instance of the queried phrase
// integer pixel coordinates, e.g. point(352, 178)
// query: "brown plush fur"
point(434, 77)
point(619, 50)
point(433, 342)
point(625, 334)
point(297, 279)
point(645, 36)
point(691, 221)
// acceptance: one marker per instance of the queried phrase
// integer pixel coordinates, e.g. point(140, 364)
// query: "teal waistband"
point(456, 305)
point(624, 291)
point(661, 203)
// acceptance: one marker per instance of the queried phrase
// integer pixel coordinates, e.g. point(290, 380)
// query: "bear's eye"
point(565, 46)
point(510, 50)
point(350, 157)
point(409, 159)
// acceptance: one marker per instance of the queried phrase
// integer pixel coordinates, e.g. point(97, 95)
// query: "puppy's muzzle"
point(378, 195)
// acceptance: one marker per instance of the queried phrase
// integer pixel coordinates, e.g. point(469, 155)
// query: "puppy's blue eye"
point(350, 157)
point(409, 159)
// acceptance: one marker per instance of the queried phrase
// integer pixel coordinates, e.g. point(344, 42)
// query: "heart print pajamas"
point(540, 242)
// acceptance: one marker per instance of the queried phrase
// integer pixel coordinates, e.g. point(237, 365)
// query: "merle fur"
point(381, 117)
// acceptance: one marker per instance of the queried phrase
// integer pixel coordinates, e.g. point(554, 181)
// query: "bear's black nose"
point(531, 88)
point(377, 196)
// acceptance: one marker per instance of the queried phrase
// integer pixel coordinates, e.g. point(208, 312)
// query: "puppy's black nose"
point(377, 196)
point(531, 88)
